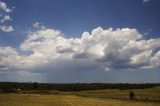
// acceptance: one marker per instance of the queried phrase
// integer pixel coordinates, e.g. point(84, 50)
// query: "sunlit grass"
point(155, 91)
point(62, 100)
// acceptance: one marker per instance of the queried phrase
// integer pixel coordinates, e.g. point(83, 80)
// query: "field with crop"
point(63, 100)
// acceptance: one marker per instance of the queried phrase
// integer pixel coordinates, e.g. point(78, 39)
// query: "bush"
point(131, 95)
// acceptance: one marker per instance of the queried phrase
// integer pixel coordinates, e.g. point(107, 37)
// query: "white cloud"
point(38, 25)
point(156, 59)
point(4, 7)
point(99, 50)
point(144, 1)
point(6, 28)
point(9, 58)
point(5, 17)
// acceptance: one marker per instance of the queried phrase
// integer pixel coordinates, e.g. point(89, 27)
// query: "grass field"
point(151, 94)
point(147, 92)
point(62, 100)
point(57, 98)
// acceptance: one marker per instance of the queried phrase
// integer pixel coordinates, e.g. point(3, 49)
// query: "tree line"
point(10, 86)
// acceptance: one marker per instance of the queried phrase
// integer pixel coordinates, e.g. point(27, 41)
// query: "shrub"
point(131, 95)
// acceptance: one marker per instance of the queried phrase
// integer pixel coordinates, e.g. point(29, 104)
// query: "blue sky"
point(73, 17)
point(32, 25)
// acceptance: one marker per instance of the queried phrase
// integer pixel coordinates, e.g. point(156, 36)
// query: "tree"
point(131, 95)
point(35, 85)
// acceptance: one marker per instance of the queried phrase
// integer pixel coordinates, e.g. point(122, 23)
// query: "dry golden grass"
point(155, 91)
point(62, 100)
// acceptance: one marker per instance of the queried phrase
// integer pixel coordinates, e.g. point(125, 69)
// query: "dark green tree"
point(35, 85)
point(131, 95)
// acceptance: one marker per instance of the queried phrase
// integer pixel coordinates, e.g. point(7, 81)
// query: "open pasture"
point(63, 100)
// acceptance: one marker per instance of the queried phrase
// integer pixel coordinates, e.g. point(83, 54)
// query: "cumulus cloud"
point(6, 28)
point(5, 17)
point(101, 49)
point(4, 7)
point(8, 58)
point(39, 25)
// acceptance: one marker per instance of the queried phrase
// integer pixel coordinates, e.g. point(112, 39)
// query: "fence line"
point(155, 99)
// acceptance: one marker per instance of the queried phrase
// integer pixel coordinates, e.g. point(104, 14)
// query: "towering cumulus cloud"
point(48, 49)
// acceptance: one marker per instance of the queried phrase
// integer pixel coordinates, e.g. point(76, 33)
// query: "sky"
point(69, 41)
